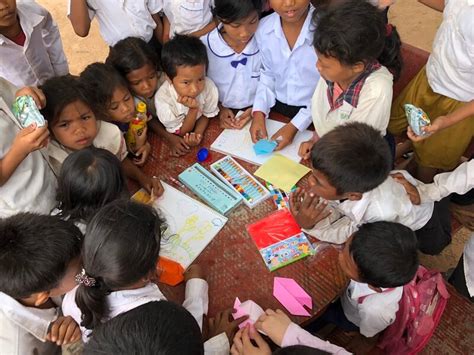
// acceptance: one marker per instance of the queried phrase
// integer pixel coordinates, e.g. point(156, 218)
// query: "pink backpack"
point(420, 308)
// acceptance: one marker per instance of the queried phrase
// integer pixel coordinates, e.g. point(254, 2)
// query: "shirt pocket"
point(192, 14)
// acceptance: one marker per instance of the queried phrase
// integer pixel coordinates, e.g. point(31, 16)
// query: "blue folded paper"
point(264, 146)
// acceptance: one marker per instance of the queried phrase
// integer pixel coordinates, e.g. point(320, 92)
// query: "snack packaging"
point(26, 111)
point(417, 119)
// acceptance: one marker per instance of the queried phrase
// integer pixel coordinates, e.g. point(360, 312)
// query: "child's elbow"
point(81, 31)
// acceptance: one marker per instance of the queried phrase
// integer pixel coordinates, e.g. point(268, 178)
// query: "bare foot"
point(192, 139)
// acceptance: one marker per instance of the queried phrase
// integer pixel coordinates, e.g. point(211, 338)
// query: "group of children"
point(327, 63)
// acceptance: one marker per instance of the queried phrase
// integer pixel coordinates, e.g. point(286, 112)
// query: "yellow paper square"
point(282, 172)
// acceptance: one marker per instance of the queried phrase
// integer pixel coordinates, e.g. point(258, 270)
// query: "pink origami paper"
point(247, 308)
point(292, 296)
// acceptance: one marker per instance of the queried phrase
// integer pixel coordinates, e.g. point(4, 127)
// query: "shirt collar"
point(307, 29)
point(28, 20)
point(219, 47)
point(356, 208)
point(360, 289)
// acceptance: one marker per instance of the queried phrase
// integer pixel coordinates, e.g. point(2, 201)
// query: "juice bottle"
point(137, 125)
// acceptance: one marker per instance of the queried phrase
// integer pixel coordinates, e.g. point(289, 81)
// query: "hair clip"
point(388, 29)
point(83, 279)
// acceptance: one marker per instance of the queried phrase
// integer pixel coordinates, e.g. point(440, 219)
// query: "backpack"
point(420, 308)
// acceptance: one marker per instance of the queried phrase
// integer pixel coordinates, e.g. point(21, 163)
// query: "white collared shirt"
point(373, 108)
point(109, 137)
point(32, 186)
point(236, 75)
point(172, 114)
point(377, 310)
point(23, 329)
point(124, 18)
point(289, 76)
point(187, 16)
point(387, 202)
point(450, 67)
point(41, 57)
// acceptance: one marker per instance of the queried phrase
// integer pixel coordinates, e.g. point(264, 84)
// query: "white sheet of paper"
point(191, 225)
point(238, 143)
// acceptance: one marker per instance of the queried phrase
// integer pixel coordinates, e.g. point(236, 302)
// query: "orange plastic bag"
point(169, 272)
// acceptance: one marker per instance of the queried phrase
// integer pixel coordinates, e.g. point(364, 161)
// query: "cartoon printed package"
point(417, 119)
point(27, 113)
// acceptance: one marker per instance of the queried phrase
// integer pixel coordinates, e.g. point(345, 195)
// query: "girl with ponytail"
point(120, 251)
point(358, 59)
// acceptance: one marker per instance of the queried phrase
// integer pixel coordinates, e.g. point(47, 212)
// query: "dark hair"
point(185, 51)
point(354, 31)
point(121, 246)
point(35, 251)
point(99, 81)
point(385, 254)
point(299, 350)
point(159, 327)
point(353, 157)
point(229, 11)
point(132, 53)
point(89, 179)
point(61, 91)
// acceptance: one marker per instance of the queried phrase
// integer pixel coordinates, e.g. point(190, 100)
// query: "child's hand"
point(243, 346)
point(284, 136)
point(142, 154)
point(194, 272)
point(30, 139)
point(223, 322)
point(189, 102)
point(226, 118)
point(257, 128)
point(436, 126)
point(64, 330)
point(305, 149)
point(274, 324)
point(35, 93)
point(310, 211)
point(153, 186)
point(178, 146)
point(192, 139)
point(242, 120)
point(411, 190)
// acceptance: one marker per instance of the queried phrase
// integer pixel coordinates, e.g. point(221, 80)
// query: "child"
point(440, 88)
point(108, 94)
point(73, 126)
point(187, 99)
point(39, 256)
point(289, 75)
point(118, 20)
point(89, 179)
point(283, 332)
point(187, 17)
point(351, 164)
point(31, 50)
point(26, 180)
point(380, 258)
point(234, 59)
point(153, 328)
point(354, 50)
point(119, 255)
point(139, 64)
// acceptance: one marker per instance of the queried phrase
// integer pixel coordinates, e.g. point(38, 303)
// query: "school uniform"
point(388, 202)
point(41, 56)
point(443, 86)
point(289, 76)
point(187, 16)
point(371, 311)
point(172, 114)
point(368, 99)
point(236, 75)
point(123, 18)
point(32, 186)
point(109, 137)
point(23, 330)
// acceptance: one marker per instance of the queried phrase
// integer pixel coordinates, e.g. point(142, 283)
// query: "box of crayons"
point(240, 180)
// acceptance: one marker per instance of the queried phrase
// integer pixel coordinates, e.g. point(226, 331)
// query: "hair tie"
point(388, 29)
point(83, 279)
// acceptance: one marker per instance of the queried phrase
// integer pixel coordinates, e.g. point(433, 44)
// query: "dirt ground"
point(416, 23)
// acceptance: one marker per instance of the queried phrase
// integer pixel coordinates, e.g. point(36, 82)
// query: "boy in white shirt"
point(380, 258)
point(187, 99)
point(118, 19)
point(351, 166)
point(39, 257)
point(31, 50)
point(289, 75)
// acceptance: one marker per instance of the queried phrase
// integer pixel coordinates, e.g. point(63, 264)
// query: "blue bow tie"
point(235, 63)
